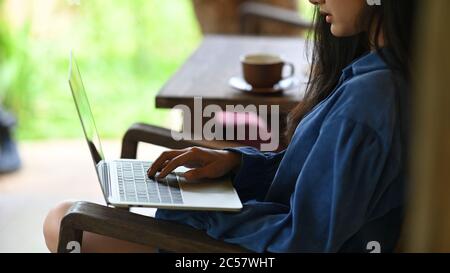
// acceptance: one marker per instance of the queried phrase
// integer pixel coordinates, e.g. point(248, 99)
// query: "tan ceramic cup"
point(265, 70)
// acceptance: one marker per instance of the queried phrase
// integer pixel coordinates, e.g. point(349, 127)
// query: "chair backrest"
point(224, 16)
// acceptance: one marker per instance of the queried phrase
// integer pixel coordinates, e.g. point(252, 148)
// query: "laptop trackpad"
point(206, 186)
point(214, 194)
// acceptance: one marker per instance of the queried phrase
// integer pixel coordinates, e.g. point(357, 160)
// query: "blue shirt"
point(337, 187)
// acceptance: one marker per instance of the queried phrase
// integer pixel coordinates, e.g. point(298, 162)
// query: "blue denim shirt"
point(337, 187)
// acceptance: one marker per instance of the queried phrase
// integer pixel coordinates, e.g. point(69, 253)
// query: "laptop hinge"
point(105, 179)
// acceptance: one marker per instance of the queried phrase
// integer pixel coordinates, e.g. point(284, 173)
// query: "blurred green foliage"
point(126, 51)
point(306, 9)
point(15, 92)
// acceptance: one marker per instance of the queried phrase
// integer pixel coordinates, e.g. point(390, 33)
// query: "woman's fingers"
point(164, 164)
point(205, 163)
point(176, 162)
point(161, 161)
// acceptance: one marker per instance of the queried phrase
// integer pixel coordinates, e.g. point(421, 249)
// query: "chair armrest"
point(251, 10)
point(162, 137)
point(124, 225)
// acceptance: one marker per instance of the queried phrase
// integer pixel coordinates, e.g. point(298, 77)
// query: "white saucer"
point(240, 84)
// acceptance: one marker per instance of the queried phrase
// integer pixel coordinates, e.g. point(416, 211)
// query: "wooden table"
point(208, 70)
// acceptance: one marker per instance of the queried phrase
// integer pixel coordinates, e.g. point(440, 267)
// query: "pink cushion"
point(249, 120)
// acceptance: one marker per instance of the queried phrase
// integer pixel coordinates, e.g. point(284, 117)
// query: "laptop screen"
point(84, 111)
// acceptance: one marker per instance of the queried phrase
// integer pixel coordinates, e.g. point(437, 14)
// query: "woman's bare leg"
point(91, 242)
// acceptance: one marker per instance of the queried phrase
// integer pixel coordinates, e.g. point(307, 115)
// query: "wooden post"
point(70, 240)
point(427, 228)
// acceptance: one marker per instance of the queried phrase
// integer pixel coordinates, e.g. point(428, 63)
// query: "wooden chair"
point(252, 14)
point(124, 225)
point(255, 17)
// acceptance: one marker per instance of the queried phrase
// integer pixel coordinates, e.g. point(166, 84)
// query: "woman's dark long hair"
point(393, 18)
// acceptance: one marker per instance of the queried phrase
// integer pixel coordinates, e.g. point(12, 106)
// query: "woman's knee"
point(52, 223)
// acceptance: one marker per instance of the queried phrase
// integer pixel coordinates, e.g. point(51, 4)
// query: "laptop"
point(125, 183)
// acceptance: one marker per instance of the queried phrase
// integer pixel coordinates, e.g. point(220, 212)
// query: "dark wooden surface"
point(162, 137)
point(127, 226)
point(207, 71)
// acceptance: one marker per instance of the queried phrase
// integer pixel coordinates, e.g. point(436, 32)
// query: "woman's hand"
point(205, 163)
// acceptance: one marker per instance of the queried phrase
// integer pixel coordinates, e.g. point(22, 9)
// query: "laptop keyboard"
point(135, 186)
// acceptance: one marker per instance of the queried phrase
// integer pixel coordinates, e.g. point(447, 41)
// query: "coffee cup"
point(265, 70)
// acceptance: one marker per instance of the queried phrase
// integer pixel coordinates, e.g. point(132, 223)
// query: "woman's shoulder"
point(371, 98)
point(376, 83)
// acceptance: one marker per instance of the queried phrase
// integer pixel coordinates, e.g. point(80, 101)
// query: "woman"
point(339, 185)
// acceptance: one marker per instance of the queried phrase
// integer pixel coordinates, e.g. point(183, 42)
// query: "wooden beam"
point(427, 227)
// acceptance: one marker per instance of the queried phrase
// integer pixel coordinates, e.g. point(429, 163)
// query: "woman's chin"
point(340, 32)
